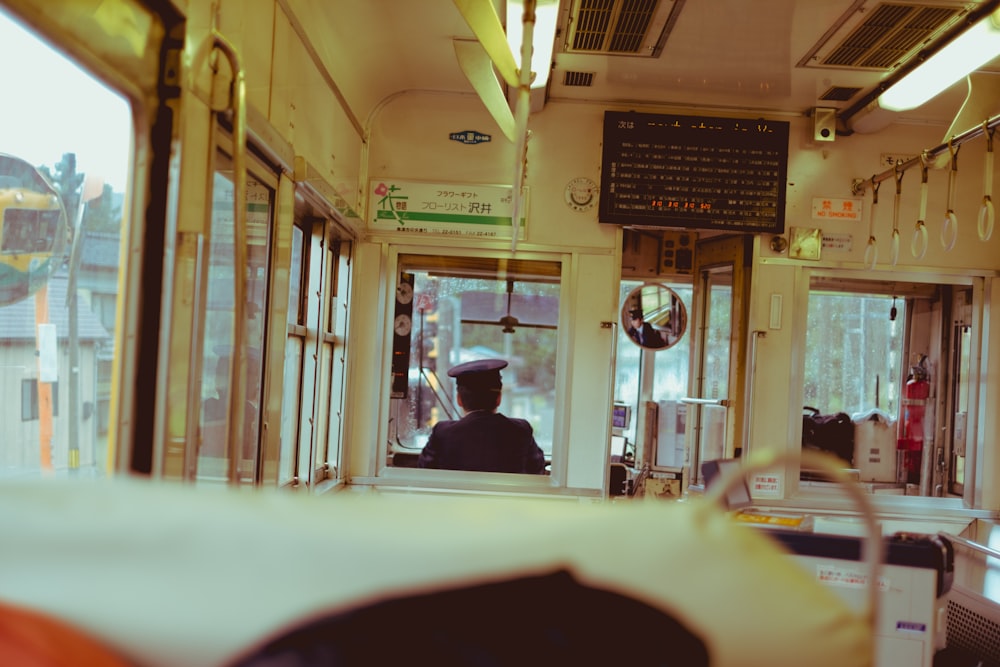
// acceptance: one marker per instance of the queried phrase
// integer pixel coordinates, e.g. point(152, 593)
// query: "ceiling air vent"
point(620, 27)
point(583, 79)
point(879, 36)
point(839, 93)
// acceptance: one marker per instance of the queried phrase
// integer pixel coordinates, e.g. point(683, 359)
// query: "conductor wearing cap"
point(642, 332)
point(483, 439)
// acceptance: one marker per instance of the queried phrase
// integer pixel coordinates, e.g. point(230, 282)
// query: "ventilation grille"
point(620, 27)
point(882, 37)
point(891, 32)
point(973, 632)
point(839, 93)
point(583, 79)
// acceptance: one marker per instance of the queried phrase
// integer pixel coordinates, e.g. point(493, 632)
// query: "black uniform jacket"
point(483, 441)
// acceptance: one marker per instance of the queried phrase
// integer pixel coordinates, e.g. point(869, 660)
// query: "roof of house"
point(100, 250)
point(17, 320)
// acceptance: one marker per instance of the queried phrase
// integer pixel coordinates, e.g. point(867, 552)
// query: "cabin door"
point(716, 400)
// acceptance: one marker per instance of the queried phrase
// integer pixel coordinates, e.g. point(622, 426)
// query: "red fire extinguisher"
point(910, 444)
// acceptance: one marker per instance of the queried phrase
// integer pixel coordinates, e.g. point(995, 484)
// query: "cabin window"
point(220, 322)
point(854, 345)
point(889, 362)
point(29, 400)
point(450, 310)
point(64, 170)
point(332, 359)
point(315, 359)
point(295, 345)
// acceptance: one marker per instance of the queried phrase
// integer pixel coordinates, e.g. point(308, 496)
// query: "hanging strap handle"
point(871, 250)
point(986, 213)
point(949, 228)
point(918, 246)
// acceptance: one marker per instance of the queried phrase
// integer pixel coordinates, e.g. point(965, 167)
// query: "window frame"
point(29, 399)
point(974, 281)
point(555, 482)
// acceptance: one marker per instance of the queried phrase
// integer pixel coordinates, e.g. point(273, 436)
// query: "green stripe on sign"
point(409, 216)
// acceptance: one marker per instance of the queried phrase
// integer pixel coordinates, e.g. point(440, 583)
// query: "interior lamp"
point(546, 18)
point(973, 48)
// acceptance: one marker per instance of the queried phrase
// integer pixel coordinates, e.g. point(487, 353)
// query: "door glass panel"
point(290, 409)
point(294, 345)
point(665, 382)
point(963, 337)
point(718, 335)
point(334, 355)
point(219, 322)
point(64, 167)
point(712, 384)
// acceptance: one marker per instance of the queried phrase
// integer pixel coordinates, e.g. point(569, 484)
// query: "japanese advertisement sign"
point(829, 208)
point(482, 211)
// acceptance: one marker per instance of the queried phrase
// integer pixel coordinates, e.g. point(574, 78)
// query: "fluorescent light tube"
point(975, 47)
point(544, 36)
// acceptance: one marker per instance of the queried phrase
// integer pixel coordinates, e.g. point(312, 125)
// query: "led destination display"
point(693, 172)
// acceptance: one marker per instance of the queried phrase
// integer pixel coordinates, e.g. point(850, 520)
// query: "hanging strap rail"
point(928, 155)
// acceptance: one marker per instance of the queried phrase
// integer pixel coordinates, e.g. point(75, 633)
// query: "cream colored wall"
point(828, 170)
point(287, 86)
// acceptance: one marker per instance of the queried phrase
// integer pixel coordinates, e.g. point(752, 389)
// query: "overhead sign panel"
point(482, 211)
point(694, 172)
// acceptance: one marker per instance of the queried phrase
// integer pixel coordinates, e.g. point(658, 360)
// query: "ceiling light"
point(544, 36)
point(973, 48)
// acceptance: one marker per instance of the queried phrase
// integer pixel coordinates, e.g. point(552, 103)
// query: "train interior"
point(743, 289)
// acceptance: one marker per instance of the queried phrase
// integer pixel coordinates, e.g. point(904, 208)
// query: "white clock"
point(581, 194)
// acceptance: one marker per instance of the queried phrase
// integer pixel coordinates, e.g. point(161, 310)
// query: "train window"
point(63, 184)
point(219, 322)
point(450, 310)
point(315, 359)
point(295, 344)
point(854, 344)
point(652, 384)
point(333, 360)
point(888, 364)
point(963, 366)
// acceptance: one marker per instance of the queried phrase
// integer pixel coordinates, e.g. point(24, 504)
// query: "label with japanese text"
point(482, 211)
point(828, 208)
point(833, 574)
point(766, 485)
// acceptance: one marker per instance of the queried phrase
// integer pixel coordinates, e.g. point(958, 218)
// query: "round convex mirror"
point(33, 229)
point(654, 317)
